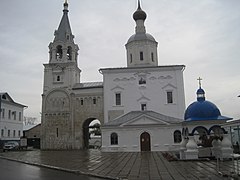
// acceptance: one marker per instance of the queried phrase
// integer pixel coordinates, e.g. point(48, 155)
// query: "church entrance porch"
point(91, 133)
point(145, 141)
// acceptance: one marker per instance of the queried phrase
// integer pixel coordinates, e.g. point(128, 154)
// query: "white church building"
point(141, 107)
point(142, 101)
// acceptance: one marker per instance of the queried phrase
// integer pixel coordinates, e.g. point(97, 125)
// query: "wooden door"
point(145, 142)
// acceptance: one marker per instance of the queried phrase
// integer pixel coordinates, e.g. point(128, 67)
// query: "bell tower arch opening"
point(59, 53)
point(91, 133)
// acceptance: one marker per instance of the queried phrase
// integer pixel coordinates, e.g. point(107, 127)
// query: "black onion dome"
point(139, 14)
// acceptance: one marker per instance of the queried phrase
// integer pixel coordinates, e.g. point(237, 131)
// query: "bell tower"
point(141, 46)
point(62, 69)
point(61, 73)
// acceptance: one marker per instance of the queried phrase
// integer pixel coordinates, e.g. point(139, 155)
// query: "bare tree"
point(29, 121)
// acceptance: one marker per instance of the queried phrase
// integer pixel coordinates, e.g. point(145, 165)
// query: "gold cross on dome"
point(200, 79)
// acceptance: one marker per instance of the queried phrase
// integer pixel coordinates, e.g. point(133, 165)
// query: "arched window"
point(59, 53)
point(114, 139)
point(177, 136)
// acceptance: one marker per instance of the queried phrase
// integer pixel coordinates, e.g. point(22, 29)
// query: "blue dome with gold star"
point(203, 110)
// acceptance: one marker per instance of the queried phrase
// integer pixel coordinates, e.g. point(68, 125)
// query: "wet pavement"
point(12, 170)
point(126, 165)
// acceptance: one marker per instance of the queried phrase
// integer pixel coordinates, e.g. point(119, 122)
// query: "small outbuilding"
point(33, 136)
point(141, 131)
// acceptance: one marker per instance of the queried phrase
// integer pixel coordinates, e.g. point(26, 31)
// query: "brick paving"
point(125, 165)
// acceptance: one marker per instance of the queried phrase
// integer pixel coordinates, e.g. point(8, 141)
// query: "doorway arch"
point(145, 141)
point(86, 128)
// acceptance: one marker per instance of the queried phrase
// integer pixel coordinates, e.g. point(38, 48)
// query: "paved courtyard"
point(125, 165)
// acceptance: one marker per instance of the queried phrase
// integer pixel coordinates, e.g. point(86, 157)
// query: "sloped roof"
point(122, 69)
point(31, 127)
point(88, 85)
point(8, 99)
point(64, 27)
point(125, 119)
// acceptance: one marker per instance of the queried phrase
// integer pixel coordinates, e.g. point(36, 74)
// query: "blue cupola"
point(200, 94)
point(203, 109)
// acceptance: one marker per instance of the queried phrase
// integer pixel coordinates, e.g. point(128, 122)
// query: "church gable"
point(135, 118)
point(145, 120)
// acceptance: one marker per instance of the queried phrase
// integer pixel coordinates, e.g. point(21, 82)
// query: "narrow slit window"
point(3, 113)
point(141, 56)
point(69, 53)
point(94, 101)
point(152, 57)
point(20, 116)
point(131, 58)
point(9, 114)
point(169, 97)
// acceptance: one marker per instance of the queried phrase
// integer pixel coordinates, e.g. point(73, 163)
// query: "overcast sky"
point(204, 35)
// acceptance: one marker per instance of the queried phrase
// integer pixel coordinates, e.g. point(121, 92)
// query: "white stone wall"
point(129, 138)
point(68, 73)
point(159, 80)
point(147, 47)
point(63, 116)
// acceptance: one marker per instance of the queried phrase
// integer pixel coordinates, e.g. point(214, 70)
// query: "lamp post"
point(0, 107)
point(0, 120)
